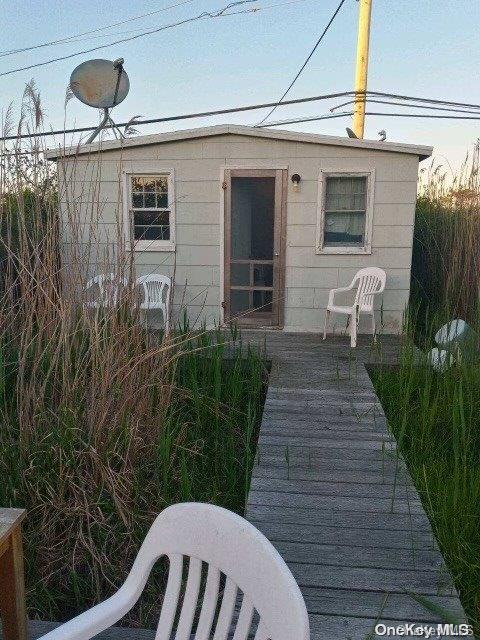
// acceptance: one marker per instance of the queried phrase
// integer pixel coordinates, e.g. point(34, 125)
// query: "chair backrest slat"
point(226, 610)
point(170, 599)
point(369, 281)
point(244, 619)
point(108, 286)
point(210, 599)
point(190, 600)
point(156, 294)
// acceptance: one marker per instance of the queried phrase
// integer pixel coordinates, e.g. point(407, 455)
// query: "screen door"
point(253, 267)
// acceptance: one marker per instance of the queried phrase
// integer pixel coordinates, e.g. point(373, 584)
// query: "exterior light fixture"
point(296, 181)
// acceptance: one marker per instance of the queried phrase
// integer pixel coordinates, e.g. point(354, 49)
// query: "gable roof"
point(241, 130)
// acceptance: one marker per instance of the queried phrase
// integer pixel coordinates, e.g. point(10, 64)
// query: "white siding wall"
point(95, 192)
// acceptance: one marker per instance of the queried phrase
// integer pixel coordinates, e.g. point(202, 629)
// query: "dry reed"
point(103, 422)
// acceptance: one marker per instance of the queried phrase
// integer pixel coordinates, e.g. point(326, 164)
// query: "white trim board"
point(240, 130)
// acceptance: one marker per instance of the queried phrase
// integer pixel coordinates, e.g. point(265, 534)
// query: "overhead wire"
point(253, 107)
point(422, 115)
point(307, 60)
point(205, 14)
point(403, 104)
point(91, 31)
point(370, 113)
point(85, 37)
point(398, 96)
point(185, 116)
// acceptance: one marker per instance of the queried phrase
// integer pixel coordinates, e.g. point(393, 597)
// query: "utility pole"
point(361, 72)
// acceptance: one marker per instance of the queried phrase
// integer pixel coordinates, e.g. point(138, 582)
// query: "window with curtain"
point(345, 209)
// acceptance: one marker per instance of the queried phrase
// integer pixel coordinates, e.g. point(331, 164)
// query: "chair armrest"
point(91, 622)
point(332, 293)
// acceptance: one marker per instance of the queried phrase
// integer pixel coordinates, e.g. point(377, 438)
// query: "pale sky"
point(425, 48)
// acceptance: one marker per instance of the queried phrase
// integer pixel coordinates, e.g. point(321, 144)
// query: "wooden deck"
point(329, 490)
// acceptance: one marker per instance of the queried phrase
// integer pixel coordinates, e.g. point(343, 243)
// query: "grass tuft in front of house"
point(435, 418)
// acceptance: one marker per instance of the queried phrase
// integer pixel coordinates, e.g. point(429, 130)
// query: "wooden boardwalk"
point(330, 492)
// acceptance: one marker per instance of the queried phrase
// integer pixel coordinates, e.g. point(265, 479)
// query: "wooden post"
point(12, 586)
point(364, 19)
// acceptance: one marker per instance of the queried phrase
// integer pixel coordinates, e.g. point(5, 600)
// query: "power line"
point(369, 113)
point(205, 14)
point(368, 100)
point(253, 107)
point(397, 96)
point(325, 116)
point(306, 61)
point(186, 116)
point(422, 115)
point(3, 54)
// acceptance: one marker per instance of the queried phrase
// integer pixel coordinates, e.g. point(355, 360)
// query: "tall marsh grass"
point(436, 416)
point(103, 422)
point(446, 249)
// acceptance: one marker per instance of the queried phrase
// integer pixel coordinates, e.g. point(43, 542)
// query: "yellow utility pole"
point(364, 19)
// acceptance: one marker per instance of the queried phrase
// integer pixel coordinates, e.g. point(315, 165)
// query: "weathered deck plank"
point(331, 492)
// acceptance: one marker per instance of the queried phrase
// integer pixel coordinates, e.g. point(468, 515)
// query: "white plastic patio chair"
point(156, 295)
point(229, 545)
point(369, 281)
point(108, 285)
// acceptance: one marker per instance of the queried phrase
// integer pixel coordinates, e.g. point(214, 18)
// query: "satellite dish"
point(350, 133)
point(100, 83)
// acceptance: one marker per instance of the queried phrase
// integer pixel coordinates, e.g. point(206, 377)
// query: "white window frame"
point(320, 248)
point(148, 245)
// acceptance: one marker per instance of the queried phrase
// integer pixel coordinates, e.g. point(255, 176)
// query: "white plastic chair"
point(156, 295)
point(229, 545)
point(369, 282)
point(108, 285)
point(440, 360)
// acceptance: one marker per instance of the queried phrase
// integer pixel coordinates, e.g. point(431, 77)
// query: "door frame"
point(280, 234)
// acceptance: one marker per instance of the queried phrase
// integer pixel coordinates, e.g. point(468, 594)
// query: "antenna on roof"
point(101, 84)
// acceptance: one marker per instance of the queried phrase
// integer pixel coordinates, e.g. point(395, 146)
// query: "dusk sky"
point(418, 47)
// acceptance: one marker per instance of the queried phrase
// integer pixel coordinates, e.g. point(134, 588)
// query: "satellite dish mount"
point(101, 84)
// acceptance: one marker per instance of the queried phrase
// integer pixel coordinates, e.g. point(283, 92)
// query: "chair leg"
point(374, 329)
point(327, 315)
point(353, 330)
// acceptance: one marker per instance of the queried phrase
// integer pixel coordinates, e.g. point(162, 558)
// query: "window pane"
point(346, 193)
point(151, 233)
point(137, 200)
point(240, 275)
point(146, 218)
point(252, 218)
point(149, 184)
point(238, 301)
point(150, 200)
point(262, 301)
point(344, 229)
point(161, 184)
point(162, 200)
point(263, 275)
point(153, 188)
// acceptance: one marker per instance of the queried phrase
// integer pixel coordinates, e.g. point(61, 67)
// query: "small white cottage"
point(253, 224)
